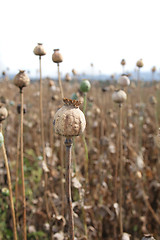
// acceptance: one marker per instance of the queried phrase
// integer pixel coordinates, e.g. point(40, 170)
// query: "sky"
point(101, 32)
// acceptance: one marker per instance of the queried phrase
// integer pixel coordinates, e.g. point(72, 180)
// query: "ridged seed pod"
point(69, 120)
point(56, 56)
point(119, 96)
point(123, 62)
point(21, 79)
point(39, 50)
point(124, 81)
point(139, 63)
point(3, 113)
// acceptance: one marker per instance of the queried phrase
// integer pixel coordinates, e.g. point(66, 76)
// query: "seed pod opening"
point(119, 96)
point(21, 79)
point(69, 120)
point(56, 56)
point(39, 50)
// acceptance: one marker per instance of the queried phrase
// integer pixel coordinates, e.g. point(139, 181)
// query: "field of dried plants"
point(115, 162)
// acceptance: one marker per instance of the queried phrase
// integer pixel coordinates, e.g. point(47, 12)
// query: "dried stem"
point(10, 188)
point(121, 170)
point(42, 137)
point(17, 175)
point(68, 143)
point(60, 82)
point(62, 177)
point(22, 170)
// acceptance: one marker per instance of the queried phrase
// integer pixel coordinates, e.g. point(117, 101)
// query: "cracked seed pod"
point(69, 120)
point(39, 50)
point(139, 63)
point(67, 77)
point(21, 79)
point(123, 62)
point(3, 113)
point(119, 96)
point(124, 81)
point(56, 56)
point(148, 237)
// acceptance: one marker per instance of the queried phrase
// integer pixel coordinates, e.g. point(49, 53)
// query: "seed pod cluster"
point(69, 120)
point(21, 79)
point(56, 56)
point(39, 50)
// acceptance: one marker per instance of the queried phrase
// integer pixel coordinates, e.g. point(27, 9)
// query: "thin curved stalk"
point(10, 188)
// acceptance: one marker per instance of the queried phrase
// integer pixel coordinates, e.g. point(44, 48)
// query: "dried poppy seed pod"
point(153, 100)
point(148, 237)
point(123, 62)
point(139, 63)
point(51, 83)
point(69, 120)
point(56, 56)
point(119, 96)
point(39, 50)
point(19, 108)
point(3, 113)
point(74, 71)
point(85, 86)
point(153, 69)
point(67, 77)
point(124, 81)
point(21, 79)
